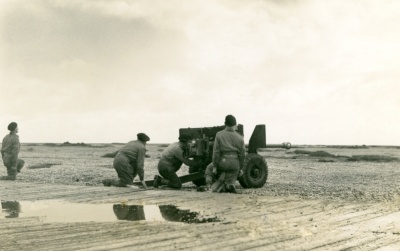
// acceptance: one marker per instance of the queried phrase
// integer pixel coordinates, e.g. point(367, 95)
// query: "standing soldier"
point(129, 162)
point(171, 161)
point(9, 152)
point(228, 153)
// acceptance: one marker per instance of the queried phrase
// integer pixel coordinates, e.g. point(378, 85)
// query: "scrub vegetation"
point(42, 165)
point(370, 173)
point(372, 158)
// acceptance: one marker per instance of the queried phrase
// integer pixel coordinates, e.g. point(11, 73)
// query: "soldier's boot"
point(204, 188)
point(219, 185)
point(11, 174)
point(230, 188)
point(106, 182)
point(157, 181)
point(112, 182)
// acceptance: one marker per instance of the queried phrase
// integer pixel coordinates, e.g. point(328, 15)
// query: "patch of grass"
point(30, 144)
point(326, 160)
point(43, 165)
point(314, 154)
point(301, 152)
point(50, 144)
point(372, 158)
point(113, 154)
point(163, 145)
point(110, 155)
point(348, 147)
point(321, 154)
point(76, 144)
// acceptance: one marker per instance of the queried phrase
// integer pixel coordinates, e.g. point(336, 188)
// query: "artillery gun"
point(200, 148)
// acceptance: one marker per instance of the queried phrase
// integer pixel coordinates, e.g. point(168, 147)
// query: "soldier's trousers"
point(12, 170)
point(168, 172)
point(229, 164)
point(126, 172)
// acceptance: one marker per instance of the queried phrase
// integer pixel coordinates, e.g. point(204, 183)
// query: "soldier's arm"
point(242, 154)
point(140, 163)
point(15, 151)
point(188, 162)
point(179, 155)
point(216, 151)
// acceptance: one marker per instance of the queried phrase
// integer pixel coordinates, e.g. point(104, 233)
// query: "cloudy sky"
point(100, 71)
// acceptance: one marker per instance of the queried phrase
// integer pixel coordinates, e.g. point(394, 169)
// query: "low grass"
point(43, 165)
point(326, 160)
point(314, 154)
point(348, 147)
point(372, 158)
point(67, 144)
point(323, 154)
point(110, 155)
point(113, 154)
point(300, 152)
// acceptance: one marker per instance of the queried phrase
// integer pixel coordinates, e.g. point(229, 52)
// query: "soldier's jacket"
point(174, 156)
point(135, 151)
point(228, 141)
point(10, 149)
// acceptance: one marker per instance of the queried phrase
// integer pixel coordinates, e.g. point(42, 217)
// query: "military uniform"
point(129, 162)
point(228, 154)
point(9, 152)
point(171, 161)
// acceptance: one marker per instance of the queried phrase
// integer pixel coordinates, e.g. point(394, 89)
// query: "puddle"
point(60, 211)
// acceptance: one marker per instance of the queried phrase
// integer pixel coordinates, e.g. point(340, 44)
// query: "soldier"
point(129, 162)
point(171, 161)
point(9, 152)
point(214, 180)
point(228, 154)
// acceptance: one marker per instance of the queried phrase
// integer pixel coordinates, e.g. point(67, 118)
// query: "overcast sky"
point(100, 71)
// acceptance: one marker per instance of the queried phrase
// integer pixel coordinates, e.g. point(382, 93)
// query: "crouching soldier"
point(171, 161)
point(129, 162)
point(215, 180)
point(9, 152)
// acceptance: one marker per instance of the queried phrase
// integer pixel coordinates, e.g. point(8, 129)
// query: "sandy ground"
point(308, 203)
point(289, 173)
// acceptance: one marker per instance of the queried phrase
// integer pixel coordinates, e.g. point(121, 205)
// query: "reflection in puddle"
point(59, 211)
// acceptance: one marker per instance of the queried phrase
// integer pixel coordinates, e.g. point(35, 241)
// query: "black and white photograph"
point(200, 125)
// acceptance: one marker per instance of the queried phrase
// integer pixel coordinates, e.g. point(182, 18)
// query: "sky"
point(99, 71)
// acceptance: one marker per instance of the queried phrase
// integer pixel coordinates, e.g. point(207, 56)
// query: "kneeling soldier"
point(171, 161)
point(129, 162)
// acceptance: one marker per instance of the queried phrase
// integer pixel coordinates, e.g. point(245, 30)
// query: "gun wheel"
point(255, 171)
